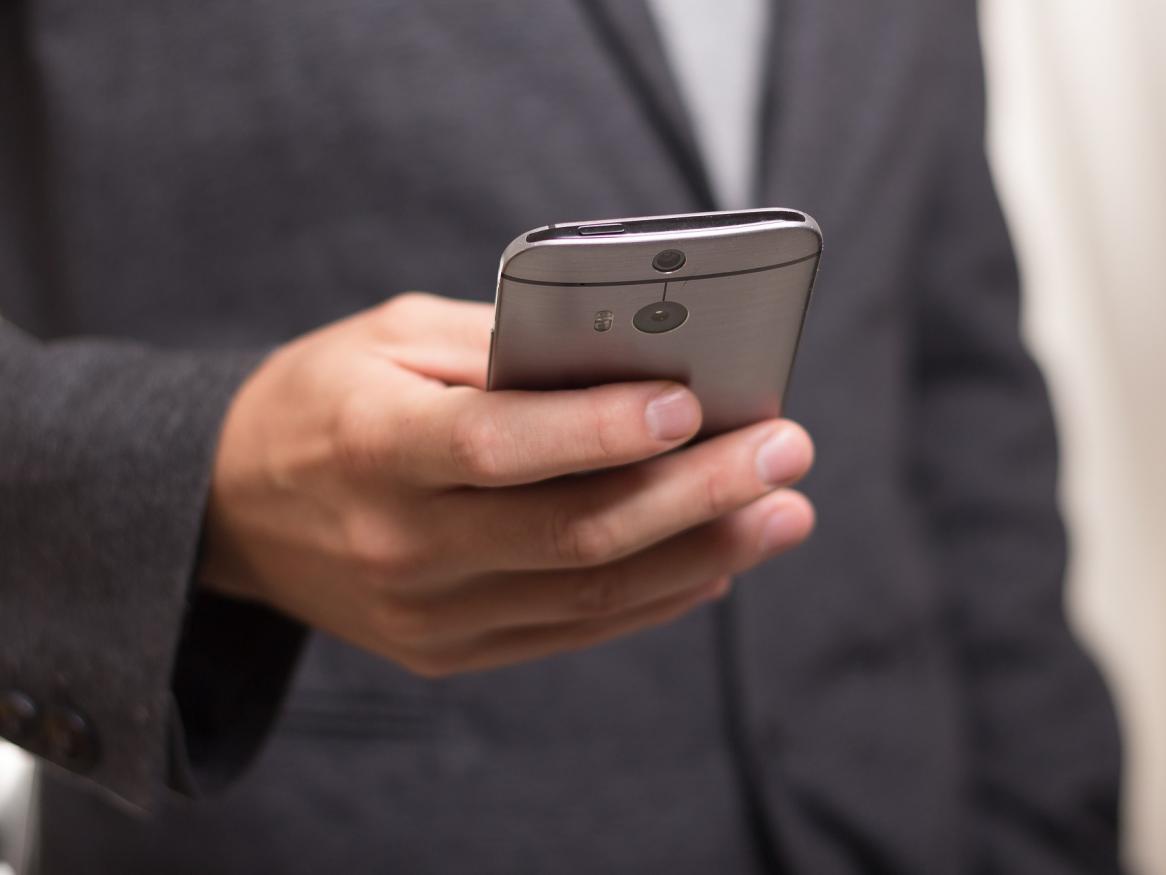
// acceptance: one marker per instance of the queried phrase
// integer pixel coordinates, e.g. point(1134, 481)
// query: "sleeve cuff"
point(108, 452)
point(234, 664)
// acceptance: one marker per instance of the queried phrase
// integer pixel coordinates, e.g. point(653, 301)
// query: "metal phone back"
point(587, 303)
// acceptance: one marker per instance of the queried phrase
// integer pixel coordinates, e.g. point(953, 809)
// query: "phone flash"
point(603, 320)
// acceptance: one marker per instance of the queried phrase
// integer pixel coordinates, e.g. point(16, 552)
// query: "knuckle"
point(406, 300)
point(582, 540)
point(368, 547)
point(606, 432)
point(726, 544)
point(717, 495)
point(356, 442)
point(475, 447)
point(404, 303)
point(410, 625)
point(586, 636)
point(388, 310)
point(430, 666)
point(380, 552)
point(598, 595)
point(396, 316)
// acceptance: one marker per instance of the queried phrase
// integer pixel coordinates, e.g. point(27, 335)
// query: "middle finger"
point(588, 521)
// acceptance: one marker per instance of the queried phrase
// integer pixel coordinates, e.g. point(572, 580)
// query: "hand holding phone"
point(367, 485)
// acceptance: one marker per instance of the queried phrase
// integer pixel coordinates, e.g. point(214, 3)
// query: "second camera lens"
point(660, 317)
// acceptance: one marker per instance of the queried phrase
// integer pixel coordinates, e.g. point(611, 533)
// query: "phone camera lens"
point(660, 316)
point(668, 260)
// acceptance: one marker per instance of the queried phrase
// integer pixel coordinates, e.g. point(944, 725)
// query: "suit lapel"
point(628, 34)
point(801, 126)
point(841, 79)
point(783, 18)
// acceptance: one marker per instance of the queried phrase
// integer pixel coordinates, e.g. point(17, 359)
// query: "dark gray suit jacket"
point(183, 184)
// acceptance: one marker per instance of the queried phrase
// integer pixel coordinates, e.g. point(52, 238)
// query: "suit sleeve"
point(1044, 765)
point(111, 665)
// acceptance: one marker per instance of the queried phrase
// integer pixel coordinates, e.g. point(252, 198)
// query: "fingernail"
point(782, 458)
point(673, 414)
point(782, 529)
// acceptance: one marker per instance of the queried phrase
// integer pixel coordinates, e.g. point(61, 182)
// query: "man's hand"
point(367, 485)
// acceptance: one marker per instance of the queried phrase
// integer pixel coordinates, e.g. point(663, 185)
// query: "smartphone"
point(712, 300)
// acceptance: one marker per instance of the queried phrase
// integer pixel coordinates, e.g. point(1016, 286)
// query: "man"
point(197, 184)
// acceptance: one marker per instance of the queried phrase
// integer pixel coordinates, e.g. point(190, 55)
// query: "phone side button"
point(598, 230)
point(490, 363)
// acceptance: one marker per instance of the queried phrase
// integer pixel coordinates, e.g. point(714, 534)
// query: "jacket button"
point(18, 716)
point(69, 739)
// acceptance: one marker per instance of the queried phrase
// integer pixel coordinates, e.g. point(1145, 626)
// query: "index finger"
point(466, 437)
point(443, 338)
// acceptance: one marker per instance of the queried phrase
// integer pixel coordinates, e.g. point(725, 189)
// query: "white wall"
point(1078, 141)
point(15, 790)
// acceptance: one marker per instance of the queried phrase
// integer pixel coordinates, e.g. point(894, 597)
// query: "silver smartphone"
point(713, 300)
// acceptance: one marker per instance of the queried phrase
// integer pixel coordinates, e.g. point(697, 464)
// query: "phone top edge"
point(728, 219)
point(616, 256)
point(522, 242)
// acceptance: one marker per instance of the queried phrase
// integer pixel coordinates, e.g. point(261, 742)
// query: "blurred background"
point(1078, 143)
point(1077, 136)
